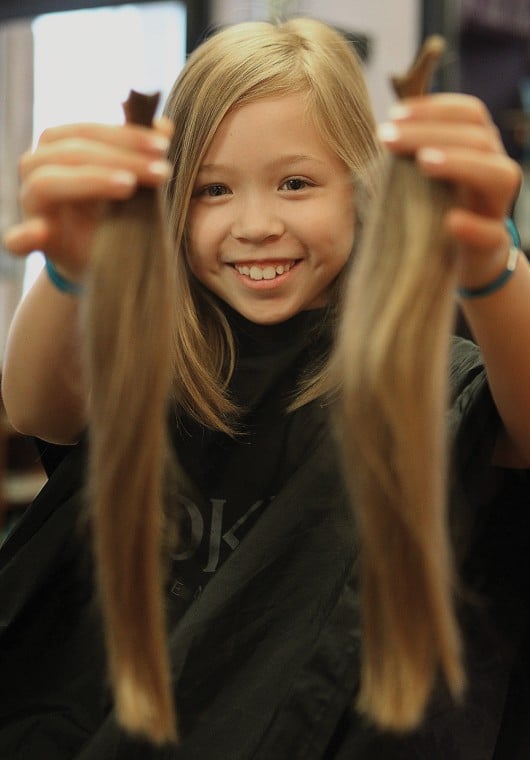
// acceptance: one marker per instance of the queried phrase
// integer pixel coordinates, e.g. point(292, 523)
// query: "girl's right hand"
point(68, 177)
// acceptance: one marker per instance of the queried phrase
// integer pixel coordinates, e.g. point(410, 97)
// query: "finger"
point(450, 107)
point(26, 237)
point(51, 185)
point(475, 231)
point(124, 136)
point(78, 151)
point(494, 179)
point(165, 126)
point(408, 137)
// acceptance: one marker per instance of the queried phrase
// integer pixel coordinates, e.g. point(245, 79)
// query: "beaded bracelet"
point(60, 282)
point(502, 279)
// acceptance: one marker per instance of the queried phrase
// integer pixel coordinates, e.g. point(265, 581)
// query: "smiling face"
point(271, 221)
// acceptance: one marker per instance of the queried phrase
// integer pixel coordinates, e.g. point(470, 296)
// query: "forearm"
point(42, 384)
point(64, 184)
point(500, 323)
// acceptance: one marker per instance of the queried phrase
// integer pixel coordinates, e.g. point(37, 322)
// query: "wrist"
point(495, 284)
point(499, 270)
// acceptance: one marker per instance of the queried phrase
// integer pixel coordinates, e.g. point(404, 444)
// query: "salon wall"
point(393, 29)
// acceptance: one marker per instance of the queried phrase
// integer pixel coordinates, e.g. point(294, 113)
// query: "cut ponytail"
point(392, 357)
point(128, 357)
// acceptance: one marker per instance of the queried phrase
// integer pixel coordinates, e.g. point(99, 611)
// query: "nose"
point(257, 219)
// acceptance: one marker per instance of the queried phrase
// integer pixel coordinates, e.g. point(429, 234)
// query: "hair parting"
point(392, 358)
point(128, 318)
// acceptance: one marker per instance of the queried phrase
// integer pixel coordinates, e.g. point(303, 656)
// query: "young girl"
point(271, 146)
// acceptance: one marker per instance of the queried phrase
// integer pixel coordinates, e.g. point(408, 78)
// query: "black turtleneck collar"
point(253, 339)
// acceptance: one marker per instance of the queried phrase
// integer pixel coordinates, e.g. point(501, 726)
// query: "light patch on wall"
point(87, 61)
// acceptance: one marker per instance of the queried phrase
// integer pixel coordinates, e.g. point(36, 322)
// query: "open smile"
point(264, 270)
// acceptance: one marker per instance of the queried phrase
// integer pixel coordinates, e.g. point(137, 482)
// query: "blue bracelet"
point(60, 282)
point(502, 279)
point(514, 232)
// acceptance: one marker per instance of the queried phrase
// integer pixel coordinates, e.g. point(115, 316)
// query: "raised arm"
point(453, 138)
point(64, 182)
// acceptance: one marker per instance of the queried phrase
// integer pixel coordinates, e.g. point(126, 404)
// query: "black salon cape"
point(266, 661)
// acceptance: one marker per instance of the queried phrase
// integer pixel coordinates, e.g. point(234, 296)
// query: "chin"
point(266, 314)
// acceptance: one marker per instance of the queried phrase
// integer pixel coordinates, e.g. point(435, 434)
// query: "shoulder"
point(471, 402)
point(465, 365)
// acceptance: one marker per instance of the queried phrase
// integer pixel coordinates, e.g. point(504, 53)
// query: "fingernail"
point(123, 178)
point(431, 156)
point(161, 169)
point(399, 111)
point(159, 143)
point(388, 132)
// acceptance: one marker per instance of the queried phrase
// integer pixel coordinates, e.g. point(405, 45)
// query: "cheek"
point(333, 222)
point(344, 225)
point(336, 234)
point(206, 233)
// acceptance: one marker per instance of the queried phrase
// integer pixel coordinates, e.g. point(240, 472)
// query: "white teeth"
point(269, 272)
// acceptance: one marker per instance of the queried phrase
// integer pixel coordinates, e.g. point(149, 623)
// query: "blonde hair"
point(392, 361)
point(128, 363)
point(239, 65)
point(133, 301)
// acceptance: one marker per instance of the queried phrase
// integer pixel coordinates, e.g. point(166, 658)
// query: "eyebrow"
point(283, 160)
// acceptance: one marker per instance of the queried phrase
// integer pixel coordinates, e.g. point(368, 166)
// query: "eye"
point(295, 183)
point(215, 190)
point(212, 191)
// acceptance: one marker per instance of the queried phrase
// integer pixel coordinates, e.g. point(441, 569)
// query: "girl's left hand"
point(453, 138)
